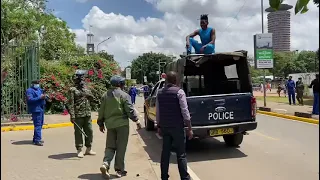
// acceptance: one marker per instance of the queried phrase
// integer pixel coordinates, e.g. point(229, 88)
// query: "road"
point(279, 149)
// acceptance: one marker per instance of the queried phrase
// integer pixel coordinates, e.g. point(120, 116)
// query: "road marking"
point(263, 135)
point(290, 119)
point(190, 171)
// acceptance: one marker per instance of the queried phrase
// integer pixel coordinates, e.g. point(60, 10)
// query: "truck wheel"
point(148, 123)
point(233, 140)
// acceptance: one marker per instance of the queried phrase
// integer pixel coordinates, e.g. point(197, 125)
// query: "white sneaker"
point(105, 171)
point(80, 154)
point(90, 152)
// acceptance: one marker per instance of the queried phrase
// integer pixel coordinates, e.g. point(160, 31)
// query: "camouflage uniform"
point(300, 91)
point(80, 113)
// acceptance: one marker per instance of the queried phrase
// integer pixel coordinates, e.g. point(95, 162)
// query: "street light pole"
point(264, 71)
point(101, 43)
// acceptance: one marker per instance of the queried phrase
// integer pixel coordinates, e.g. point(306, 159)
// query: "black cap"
point(36, 81)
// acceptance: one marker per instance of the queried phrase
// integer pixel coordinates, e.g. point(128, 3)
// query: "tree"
point(27, 22)
point(309, 60)
point(147, 65)
point(105, 55)
point(300, 7)
point(56, 38)
point(20, 19)
point(290, 62)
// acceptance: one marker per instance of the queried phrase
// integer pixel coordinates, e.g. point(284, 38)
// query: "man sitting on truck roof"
point(207, 36)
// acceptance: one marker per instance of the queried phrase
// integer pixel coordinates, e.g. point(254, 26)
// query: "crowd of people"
point(116, 108)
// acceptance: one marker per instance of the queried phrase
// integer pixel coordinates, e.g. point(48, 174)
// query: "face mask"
point(81, 83)
point(36, 86)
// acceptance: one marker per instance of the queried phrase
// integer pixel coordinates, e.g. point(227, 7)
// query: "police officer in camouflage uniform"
point(300, 90)
point(80, 113)
point(115, 111)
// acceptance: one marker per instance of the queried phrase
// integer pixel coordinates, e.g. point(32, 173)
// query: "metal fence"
point(23, 66)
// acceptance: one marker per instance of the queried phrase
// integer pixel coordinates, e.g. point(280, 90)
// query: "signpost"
point(128, 73)
point(263, 51)
point(263, 55)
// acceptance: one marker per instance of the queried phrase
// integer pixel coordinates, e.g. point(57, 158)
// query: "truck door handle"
point(220, 100)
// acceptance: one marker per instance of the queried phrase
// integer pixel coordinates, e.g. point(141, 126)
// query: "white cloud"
point(132, 37)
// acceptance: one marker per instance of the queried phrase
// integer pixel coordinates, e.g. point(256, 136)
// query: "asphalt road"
point(279, 149)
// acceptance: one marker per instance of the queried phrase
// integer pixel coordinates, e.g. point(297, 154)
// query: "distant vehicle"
point(219, 103)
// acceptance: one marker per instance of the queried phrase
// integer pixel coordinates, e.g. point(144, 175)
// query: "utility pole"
point(264, 71)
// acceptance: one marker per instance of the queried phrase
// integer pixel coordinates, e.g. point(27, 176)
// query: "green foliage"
point(57, 78)
point(56, 38)
point(300, 7)
point(147, 65)
point(290, 62)
point(27, 22)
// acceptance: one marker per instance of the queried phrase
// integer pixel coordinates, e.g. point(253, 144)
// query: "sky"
point(140, 26)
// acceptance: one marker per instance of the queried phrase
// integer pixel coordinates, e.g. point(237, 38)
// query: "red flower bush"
point(90, 72)
point(57, 87)
point(65, 112)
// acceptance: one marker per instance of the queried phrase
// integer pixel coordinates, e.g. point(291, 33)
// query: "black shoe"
point(38, 143)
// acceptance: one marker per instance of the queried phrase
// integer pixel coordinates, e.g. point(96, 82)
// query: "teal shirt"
point(116, 109)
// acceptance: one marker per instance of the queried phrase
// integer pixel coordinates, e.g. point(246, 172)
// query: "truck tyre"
point(148, 123)
point(233, 140)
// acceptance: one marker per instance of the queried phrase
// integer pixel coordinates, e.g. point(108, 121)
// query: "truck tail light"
point(253, 107)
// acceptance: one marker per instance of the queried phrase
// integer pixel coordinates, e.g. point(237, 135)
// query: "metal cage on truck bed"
point(213, 65)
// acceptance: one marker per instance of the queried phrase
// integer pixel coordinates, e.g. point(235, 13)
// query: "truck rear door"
point(221, 109)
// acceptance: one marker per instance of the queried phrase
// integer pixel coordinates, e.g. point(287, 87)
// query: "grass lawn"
point(307, 101)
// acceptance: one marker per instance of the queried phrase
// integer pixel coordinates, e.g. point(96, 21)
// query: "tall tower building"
point(279, 26)
point(90, 43)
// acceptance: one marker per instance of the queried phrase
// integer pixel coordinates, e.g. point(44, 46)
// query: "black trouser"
point(177, 137)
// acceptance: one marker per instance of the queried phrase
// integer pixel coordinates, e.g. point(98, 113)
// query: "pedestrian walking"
point(80, 114)
point(284, 87)
point(300, 90)
point(315, 86)
point(133, 94)
point(115, 111)
point(172, 116)
point(146, 90)
point(291, 87)
point(261, 87)
point(36, 106)
point(279, 89)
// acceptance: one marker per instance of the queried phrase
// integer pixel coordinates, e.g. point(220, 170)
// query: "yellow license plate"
point(222, 131)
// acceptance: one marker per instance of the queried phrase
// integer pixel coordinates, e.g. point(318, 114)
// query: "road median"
point(19, 127)
point(296, 118)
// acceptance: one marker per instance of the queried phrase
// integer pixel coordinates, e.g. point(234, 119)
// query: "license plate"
point(222, 131)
